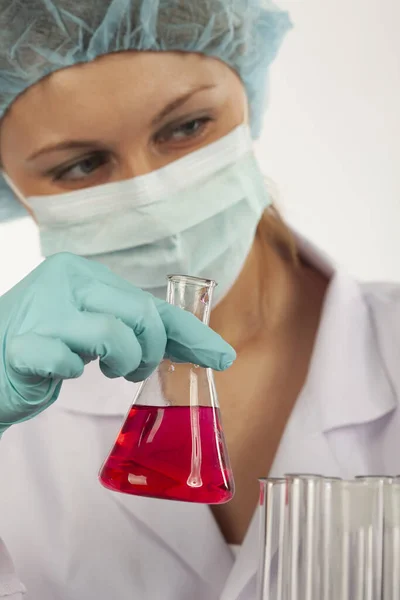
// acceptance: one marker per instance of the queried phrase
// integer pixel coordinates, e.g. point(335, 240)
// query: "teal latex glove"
point(70, 311)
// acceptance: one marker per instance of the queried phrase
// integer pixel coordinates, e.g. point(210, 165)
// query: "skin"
point(114, 112)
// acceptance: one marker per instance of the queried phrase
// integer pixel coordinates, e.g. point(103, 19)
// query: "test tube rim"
point(303, 476)
point(272, 479)
point(356, 482)
point(379, 477)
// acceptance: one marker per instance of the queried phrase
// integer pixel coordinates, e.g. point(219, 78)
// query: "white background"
point(331, 140)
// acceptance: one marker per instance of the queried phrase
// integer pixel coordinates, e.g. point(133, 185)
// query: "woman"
point(142, 161)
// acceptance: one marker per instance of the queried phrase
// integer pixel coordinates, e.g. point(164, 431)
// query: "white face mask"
point(196, 216)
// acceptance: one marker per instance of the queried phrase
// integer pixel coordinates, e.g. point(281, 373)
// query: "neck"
point(272, 300)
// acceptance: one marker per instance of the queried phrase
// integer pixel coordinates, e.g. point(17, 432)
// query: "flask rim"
point(190, 280)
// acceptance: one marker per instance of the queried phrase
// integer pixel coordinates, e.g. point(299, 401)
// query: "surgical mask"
point(196, 216)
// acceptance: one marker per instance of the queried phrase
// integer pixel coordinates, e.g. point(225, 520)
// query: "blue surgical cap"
point(39, 37)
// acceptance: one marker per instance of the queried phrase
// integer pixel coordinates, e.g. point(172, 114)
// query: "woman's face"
point(121, 116)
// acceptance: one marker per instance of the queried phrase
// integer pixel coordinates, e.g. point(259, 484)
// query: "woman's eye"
point(81, 169)
point(185, 131)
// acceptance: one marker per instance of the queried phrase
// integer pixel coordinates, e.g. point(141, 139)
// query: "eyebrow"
point(178, 102)
point(82, 144)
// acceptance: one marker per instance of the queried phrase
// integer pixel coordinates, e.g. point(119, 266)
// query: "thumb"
point(189, 340)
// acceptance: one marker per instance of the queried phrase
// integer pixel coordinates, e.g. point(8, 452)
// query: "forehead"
point(112, 88)
point(126, 77)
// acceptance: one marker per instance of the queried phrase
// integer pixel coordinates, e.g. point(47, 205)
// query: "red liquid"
point(175, 452)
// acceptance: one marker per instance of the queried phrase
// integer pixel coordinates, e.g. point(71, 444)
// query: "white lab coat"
point(71, 539)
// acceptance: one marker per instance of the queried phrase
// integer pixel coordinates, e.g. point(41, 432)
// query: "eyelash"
point(162, 137)
point(59, 173)
point(171, 129)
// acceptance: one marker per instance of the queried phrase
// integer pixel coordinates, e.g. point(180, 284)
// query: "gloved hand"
point(70, 311)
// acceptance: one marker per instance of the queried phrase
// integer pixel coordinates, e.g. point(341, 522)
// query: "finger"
point(137, 310)
point(141, 373)
point(31, 354)
point(104, 336)
point(189, 340)
point(32, 359)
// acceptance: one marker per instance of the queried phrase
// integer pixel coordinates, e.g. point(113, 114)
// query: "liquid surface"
point(174, 452)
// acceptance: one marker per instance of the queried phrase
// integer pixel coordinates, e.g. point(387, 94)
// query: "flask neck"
point(191, 294)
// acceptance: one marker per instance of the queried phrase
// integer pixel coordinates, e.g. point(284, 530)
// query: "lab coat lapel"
point(347, 383)
point(188, 530)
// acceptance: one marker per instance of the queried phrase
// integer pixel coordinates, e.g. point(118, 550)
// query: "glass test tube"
point(303, 577)
point(391, 542)
point(358, 569)
point(328, 539)
point(330, 547)
point(272, 548)
point(374, 549)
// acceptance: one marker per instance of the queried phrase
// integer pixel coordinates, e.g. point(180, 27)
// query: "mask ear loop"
point(246, 116)
point(17, 192)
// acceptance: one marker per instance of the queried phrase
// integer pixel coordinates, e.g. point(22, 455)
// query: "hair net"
point(38, 37)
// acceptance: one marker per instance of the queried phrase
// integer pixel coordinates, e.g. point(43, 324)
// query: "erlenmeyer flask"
point(171, 444)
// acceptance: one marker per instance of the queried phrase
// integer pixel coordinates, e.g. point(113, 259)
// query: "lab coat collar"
point(347, 377)
point(347, 382)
